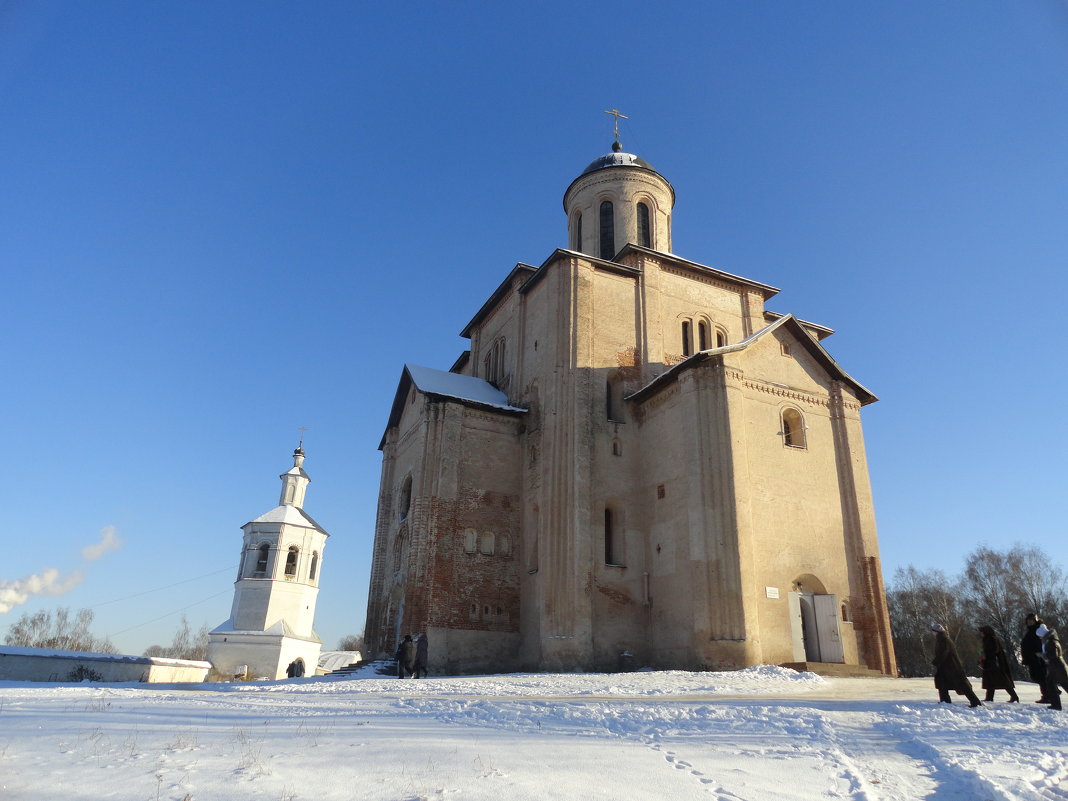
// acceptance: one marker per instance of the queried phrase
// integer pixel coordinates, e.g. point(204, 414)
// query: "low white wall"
point(42, 664)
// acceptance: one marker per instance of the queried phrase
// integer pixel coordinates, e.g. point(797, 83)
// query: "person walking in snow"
point(406, 657)
point(949, 672)
point(996, 672)
point(1031, 655)
point(1056, 670)
point(422, 645)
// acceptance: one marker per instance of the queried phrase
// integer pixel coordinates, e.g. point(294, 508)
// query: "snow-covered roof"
point(451, 386)
point(280, 628)
point(89, 656)
point(290, 515)
point(461, 387)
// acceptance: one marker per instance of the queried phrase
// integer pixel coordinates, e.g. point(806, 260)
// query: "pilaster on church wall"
point(871, 616)
point(735, 632)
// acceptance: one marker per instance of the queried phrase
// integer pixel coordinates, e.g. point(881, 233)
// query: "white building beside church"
point(270, 631)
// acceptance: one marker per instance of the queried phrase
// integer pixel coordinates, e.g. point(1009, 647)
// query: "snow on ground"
point(753, 735)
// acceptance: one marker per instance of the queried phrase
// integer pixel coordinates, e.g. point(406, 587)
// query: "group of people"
point(1041, 654)
point(412, 657)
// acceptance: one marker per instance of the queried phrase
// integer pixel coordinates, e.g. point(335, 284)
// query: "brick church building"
point(636, 460)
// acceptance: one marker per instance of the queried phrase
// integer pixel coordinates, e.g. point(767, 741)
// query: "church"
point(637, 463)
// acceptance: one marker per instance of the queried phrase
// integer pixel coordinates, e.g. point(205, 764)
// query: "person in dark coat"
point(1056, 670)
point(422, 645)
point(997, 675)
point(949, 672)
point(1031, 655)
point(406, 657)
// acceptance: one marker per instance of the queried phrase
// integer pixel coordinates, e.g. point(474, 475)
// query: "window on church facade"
point(493, 364)
point(262, 555)
point(470, 540)
point(577, 228)
point(721, 338)
point(687, 338)
point(793, 428)
point(486, 543)
point(645, 236)
point(614, 400)
point(608, 230)
point(314, 566)
point(405, 501)
point(291, 561)
point(613, 550)
point(702, 335)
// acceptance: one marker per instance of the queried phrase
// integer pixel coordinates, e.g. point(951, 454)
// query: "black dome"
point(618, 160)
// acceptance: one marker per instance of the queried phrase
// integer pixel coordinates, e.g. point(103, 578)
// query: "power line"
point(157, 589)
point(175, 612)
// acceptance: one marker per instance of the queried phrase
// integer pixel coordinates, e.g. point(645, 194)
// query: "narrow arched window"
point(721, 338)
point(793, 428)
point(470, 540)
point(291, 561)
point(486, 543)
point(405, 501)
point(645, 236)
point(608, 230)
point(314, 566)
point(577, 245)
point(261, 559)
point(614, 399)
point(702, 335)
point(687, 338)
point(611, 546)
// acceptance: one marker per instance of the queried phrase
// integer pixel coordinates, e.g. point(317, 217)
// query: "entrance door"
point(826, 613)
point(814, 628)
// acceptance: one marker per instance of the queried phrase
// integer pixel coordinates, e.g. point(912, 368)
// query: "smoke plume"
point(50, 582)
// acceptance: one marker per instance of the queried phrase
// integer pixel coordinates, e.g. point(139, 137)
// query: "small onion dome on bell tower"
point(618, 199)
point(294, 482)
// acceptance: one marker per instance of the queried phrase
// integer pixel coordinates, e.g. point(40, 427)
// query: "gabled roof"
point(498, 294)
point(822, 331)
point(290, 515)
point(532, 275)
point(465, 389)
point(787, 321)
point(767, 289)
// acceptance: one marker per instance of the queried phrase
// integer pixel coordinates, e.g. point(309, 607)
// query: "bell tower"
point(270, 627)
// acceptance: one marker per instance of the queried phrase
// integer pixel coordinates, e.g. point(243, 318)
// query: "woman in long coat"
point(997, 675)
point(1056, 669)
point(949, 672)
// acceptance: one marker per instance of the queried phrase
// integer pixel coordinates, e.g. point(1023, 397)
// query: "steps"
point(834, 669)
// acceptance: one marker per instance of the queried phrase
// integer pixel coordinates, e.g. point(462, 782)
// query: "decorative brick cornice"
point(693, 275)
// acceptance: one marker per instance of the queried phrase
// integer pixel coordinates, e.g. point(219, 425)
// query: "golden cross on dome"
point(301, 429)
point(618, 115)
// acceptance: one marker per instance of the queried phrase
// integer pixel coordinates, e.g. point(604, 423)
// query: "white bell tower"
point(270, 626)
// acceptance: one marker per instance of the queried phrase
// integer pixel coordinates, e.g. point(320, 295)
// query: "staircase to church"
point(836, 669)
point(352, 667)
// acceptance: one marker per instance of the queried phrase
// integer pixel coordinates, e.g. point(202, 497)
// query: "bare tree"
point(185, 645)
point(1042, 585)
point(996, 589)
point(58, 630)
point(917, 598)
point(351, 642)
point(990, 589)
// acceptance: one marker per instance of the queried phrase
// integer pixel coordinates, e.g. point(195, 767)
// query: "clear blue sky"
point(222, 221)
